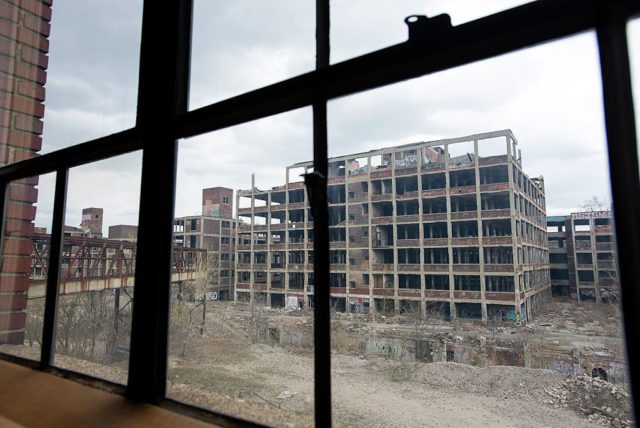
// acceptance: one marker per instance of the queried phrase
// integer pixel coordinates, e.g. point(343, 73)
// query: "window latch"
point(314, 183)
point(422, 28)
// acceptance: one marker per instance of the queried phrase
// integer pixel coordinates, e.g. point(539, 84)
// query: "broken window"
point(466, 255)
point(462, 178)
point(436, 282)
point(406, 185)
point(464, 229)
point(436, 256)
point(494, 174)
point(408, 231)
point(463, 203)
point(435, 230)
point(466, 282)
point(434, 205)
point(336, 194)
point(408, 256)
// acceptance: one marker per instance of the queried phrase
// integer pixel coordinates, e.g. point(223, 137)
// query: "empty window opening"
point(406, 185)
point(465, 177)
point(296, 196)
point(471, 311)
point(406, 159)
point(583, 242)
point(382, 280)
point(498, 255)
point(338, 257)
point(296, 216)
point(496, 228)
point(277, 301)
point(499, 284)
point(584, 258)
point(338, 304)
point(336, 169)
point(296, 281)
point(585, 276)
point(410, 307)
point(336, 194)
point(494, 201)
point(558, 258)
point(382, 209)
point(435, 230)
point(461, 154)
point(337, 215)
point(384, 236)
point(433, 181)
point(581, 225)
point(407, 207)
point(438, 310)
point(436, 282)
point(383, 256)
point(436, 256)
point(494, 174)
point(466, 255)
point(432, 158)
point(464, 229)
point(381, 187)
point(409, 281)
point(408, 256)
point(337, 234)
point(384, 306)
point(493, 147)
point(559, 274)
point(463, 203)
point(296, 174)
point(434, 205)
point(358, 166)
point(278, 259)
point(408, 231)
point(277, 280)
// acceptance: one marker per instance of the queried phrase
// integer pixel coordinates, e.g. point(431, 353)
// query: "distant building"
point(123, 232)
point(214, 231)
point(582, 255)
point(92, 222)
point(453, 227)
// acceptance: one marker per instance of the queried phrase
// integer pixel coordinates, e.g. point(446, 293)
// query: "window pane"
point(25, 265)
point(92, 77)
point(241, 323)
point(98, 267)
point(244, 45)
point(456, 265)
point(354, 34)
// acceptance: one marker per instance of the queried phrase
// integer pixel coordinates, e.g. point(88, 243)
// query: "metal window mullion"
point(623, 170)
point(322, 320)
point(163, 93)
point(53, 274)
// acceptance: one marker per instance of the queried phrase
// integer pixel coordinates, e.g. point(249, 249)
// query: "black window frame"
point(162, 119)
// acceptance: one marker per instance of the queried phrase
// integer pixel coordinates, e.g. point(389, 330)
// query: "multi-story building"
point(451, 226)
point(582, 255)
point(214, 231)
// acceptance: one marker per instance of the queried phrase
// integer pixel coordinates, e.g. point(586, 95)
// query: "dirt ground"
point(231, 371)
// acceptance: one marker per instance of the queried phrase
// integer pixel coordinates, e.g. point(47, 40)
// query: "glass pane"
point(244, 45)
point(241, 323)
point(92, 77)
point(25, 264)
point(353, 34)
point(98, 267)
point(441, 253)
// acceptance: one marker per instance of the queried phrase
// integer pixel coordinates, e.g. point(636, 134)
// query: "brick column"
point(24, 44)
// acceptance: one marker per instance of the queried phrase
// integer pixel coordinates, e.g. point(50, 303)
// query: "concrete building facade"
point(582, 256)
point(214, 231)
point(453, 227)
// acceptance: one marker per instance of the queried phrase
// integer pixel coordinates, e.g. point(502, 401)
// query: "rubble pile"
point(602, 402)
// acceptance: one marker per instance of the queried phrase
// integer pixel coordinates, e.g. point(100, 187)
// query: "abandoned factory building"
point(453, 228)
point(582, 256)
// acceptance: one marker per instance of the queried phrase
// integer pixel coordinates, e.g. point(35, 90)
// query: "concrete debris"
point(602, 402)
point(285, 394)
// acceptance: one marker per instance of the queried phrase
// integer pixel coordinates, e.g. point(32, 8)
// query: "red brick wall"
point(216, 195)
point(24, 44)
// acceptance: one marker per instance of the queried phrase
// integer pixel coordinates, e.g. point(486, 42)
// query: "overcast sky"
point(549, 96)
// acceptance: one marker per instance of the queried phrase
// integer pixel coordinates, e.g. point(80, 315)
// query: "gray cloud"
point(550, 96)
